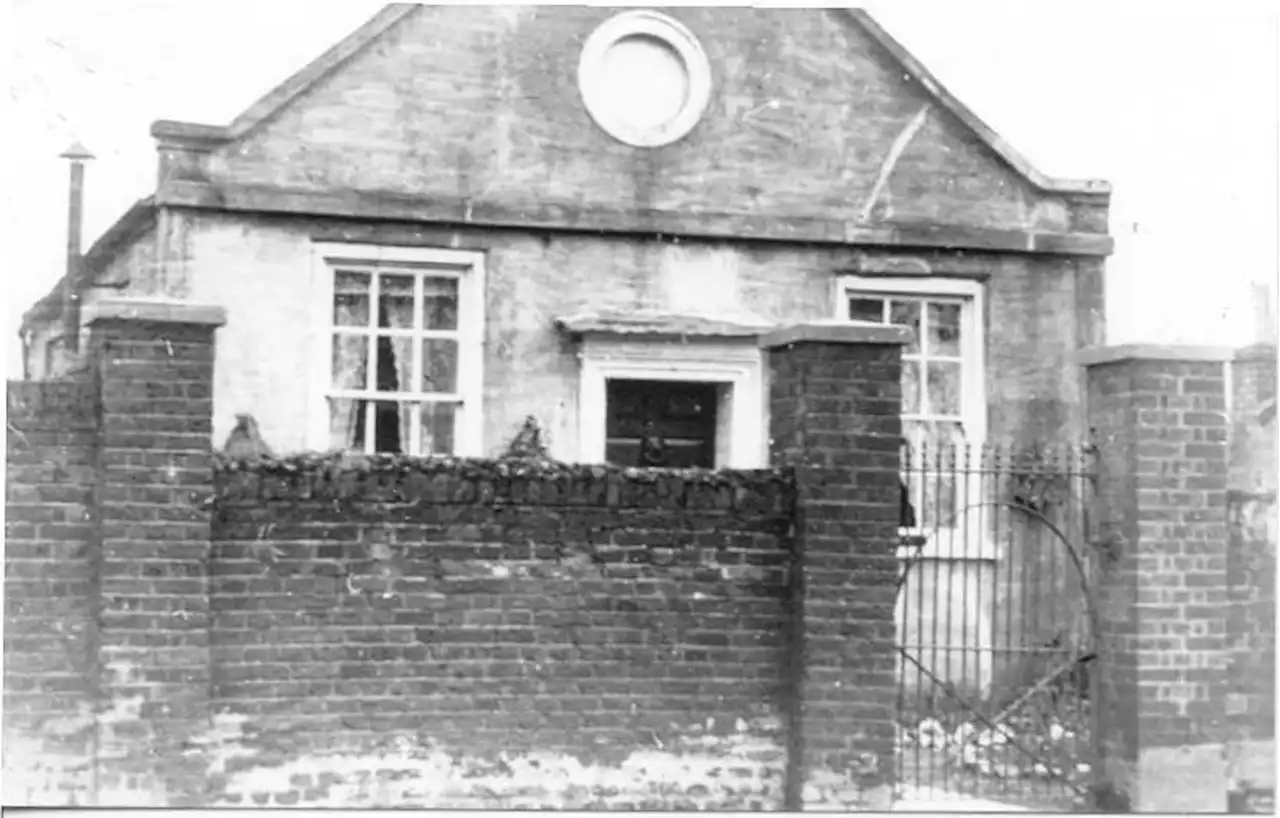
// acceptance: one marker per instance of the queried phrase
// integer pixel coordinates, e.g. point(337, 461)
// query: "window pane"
point(911, 387)
point(907, 313)
point(343, 422)
point(439, 365)
point(944, 388)
point(395, 364)
point(440, 303)
point(934, 472)
point(351, 299)
point(352, 422)
point(866, 309)
point(944, 329)
point(940, 496)
point(395, 301)
point(350, 361)
point(438, 420)
point(389, 427)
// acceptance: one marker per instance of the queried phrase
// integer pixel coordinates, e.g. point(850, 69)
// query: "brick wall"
point(103, 564)
point(49, 592)
point(326, 631)
point(501, 612)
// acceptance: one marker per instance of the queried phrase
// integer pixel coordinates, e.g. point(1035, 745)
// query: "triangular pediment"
point(815, 117)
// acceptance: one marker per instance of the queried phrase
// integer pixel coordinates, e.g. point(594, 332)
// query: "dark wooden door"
point(661, 423)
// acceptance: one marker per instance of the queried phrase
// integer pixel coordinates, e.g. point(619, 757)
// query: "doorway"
point(666, 424)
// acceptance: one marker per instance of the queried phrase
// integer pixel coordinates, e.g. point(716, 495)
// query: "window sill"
point(913, 545)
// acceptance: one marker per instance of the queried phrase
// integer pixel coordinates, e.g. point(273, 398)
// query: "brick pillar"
point(1158, 418)
point(1252, 523)
point(153, 364)
point(835, 403)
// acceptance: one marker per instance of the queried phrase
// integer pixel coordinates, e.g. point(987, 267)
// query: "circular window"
point(644, 78)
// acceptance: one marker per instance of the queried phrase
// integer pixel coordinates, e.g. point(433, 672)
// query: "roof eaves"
point(948, 101)
point(189, 134)
point(135, 221)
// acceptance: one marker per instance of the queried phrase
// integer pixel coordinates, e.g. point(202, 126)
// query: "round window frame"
point(677, 37)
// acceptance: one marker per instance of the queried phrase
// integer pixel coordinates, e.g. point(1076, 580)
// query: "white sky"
point(1176, 104)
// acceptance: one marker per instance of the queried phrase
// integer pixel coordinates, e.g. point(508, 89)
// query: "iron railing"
point(995, 618)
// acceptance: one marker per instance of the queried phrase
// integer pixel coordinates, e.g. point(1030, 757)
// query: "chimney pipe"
point(76, 155)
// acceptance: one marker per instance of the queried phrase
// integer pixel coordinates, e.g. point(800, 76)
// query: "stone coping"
point(1257, 352)
point(836, 331)
point(1151, 352)
point(155, 312)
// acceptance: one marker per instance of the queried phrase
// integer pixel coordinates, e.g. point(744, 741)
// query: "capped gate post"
point(835, 402)
point(1158, 415)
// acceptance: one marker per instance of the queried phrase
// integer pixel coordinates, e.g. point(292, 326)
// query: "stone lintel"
point(836, 331)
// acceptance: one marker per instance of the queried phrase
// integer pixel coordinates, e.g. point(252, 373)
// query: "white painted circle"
point(644, 78)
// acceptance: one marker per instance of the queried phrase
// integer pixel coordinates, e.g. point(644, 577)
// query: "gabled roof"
point(395, 13)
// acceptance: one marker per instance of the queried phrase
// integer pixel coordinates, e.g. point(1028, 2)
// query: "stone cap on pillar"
point(1092, 356)
point(155, 311)
point(836, 331)
point(1264, 351)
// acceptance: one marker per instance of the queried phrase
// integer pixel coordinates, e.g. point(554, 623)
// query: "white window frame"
point(736, 363)
point(422, 262)
point(975, 543)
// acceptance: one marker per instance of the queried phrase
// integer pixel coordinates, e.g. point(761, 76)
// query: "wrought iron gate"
point(995, 625)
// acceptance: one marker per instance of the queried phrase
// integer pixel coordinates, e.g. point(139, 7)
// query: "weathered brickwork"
point(1160, 425)
point(156, 399)
point(49, 592)
point(494, 634)
point(1251, 570)
point(328, 631)
point(475, 607)
point(109, 477)
point(836, 421)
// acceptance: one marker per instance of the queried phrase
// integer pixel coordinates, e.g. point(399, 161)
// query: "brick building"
point(793, 162)
point(589, 216)
point(445, 225)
